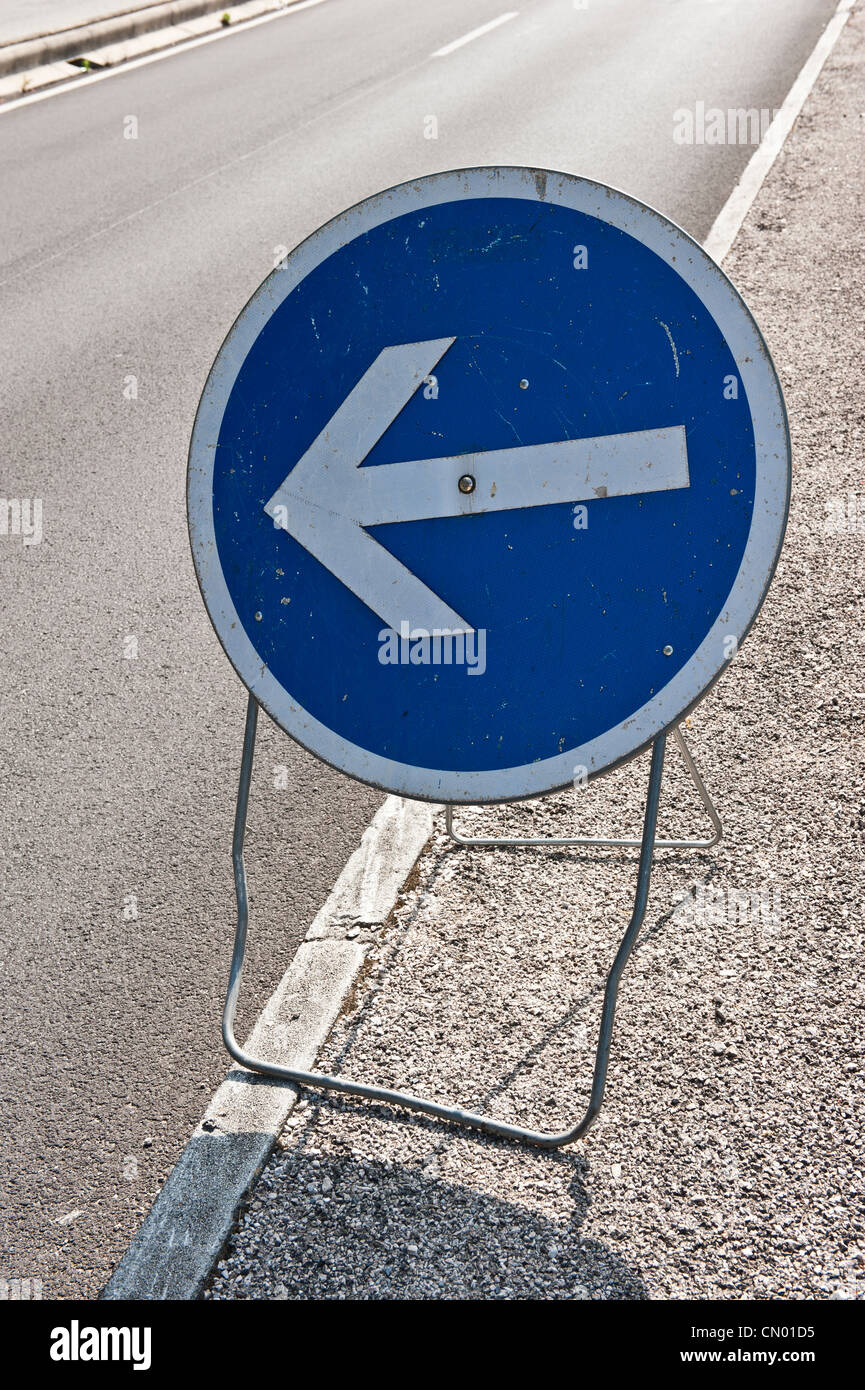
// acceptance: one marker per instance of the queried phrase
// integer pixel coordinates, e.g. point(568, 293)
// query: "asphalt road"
point(129, 258)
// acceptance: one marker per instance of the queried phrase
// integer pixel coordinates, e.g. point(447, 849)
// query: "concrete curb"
point(78, 42)
point(182, 1235)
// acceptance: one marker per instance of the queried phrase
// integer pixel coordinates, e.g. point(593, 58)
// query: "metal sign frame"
point(405, 1099)
point(601, 841)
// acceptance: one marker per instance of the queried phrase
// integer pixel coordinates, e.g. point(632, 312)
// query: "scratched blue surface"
point(576, 620)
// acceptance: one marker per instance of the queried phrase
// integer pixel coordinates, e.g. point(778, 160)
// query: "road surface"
point(123, 262)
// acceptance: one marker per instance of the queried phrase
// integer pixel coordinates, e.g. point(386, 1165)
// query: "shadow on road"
point(337, 1226)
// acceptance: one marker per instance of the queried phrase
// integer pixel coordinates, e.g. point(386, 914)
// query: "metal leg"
point(510, 842)
point(409, 1102)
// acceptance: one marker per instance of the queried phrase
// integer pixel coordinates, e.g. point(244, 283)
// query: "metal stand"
point(321, 1081)
point(509, 842)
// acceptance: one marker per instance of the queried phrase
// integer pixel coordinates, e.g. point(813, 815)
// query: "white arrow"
point(327, 499)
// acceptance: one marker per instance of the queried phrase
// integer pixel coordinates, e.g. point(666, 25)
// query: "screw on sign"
point(338, 504)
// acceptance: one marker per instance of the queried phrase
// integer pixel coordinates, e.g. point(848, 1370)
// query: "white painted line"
point(89, 79)
point(182, 1235)
point(474, 34)
point(726, 225)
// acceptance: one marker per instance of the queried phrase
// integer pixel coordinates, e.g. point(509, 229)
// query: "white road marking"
point(88, 79)
point(726, 225)
point(474, 34)
point(327, 500)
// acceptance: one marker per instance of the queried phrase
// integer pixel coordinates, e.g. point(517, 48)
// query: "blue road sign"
point(488, 483)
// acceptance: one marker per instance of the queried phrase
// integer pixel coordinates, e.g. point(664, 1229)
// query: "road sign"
point(488, 483)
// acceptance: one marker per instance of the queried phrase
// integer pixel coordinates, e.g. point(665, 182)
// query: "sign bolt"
point(524, 385)
point(668, 650)
point(258, 617)
point(466, 483)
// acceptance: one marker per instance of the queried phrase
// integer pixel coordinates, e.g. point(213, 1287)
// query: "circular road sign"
point(487, 484)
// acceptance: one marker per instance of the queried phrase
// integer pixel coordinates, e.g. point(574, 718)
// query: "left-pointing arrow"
point(327, 499)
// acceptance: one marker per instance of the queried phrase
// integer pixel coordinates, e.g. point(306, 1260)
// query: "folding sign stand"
point(597, 841)
point(647, 844)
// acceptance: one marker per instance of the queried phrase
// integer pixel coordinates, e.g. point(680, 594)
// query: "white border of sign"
point(771, 500)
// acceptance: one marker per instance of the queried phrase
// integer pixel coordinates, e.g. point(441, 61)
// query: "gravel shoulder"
point(727, 1162)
